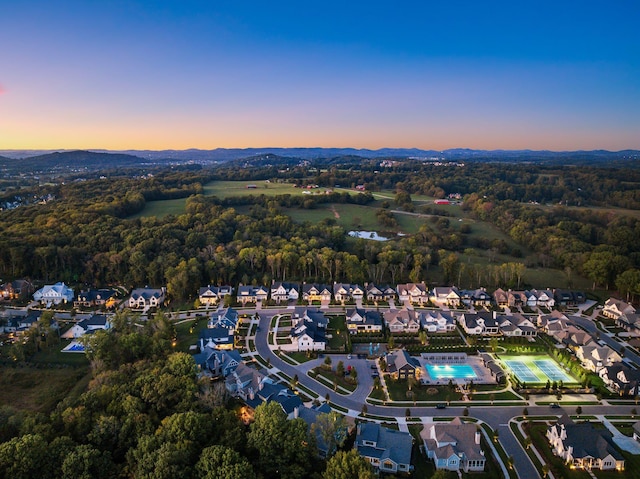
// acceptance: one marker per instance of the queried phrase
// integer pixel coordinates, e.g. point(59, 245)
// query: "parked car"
point(554, 405)
point(441, 406)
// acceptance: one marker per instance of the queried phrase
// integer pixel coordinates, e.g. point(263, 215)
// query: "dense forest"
point(86, 235)
point(144, 414)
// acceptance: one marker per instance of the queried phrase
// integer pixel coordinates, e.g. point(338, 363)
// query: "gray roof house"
point(361, 321)
point(454, 446)
point(224, 318)
point(386, 450)
point(216, 363)
point(583, 446)
point(308, 329)
point(401, 365)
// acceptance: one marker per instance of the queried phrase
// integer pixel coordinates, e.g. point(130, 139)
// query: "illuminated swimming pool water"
point(451, 371)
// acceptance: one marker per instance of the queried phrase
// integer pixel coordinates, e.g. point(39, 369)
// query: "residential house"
point(413, 293)
point(18, 289)
point(516, 299)
point(477, 298)
point(543, 298)
point(95, 298)
point(454, 446)
point(402, 321)
point(595, 357)
point(402, 366)
point(573, 337)
point(554, 321)
point(630, 322)
point(621, 378)
point(87, 326)
point(377, 293)
point(584, 446)
point(387, 450)
point(501, 297)
point(316, 292)
point(217, 337)
point(216, 363)
point(224, 317)
point(565, 297)
point(516, 325)
point(614, 308)
point(144, 298)
point(437, 321)
point(252, 294)
point(482, 323)
point(344, 292)
point(448, 297)
point(360, 321)
point(28, 321)
point(244, 382)
point(308, 329)
point(284, 292)
point(54, 294)
point(213, 295)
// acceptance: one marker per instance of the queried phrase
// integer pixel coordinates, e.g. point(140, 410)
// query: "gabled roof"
point(587, 441)
point(96, 294)
point(373, 318)
point(147, 293)
point(401, 359)
point(389, 444)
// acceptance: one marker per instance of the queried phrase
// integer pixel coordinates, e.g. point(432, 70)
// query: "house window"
point(387, 465)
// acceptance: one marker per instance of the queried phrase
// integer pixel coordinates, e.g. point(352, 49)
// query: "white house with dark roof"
point(402, 321)
point(454, 446)
point(343, 292)
point(448, 296)
point(252, 294)
point(482, 323)
point(594, 357)
point(225, 318)
point(284, 292)
point(88, 325)
point(54, 294)
point(437, 321)
point(475, 297)
point(413, 293)
point(144, 298)
point(213, 295)
point(361, 321)
point(316, 292)
point(387, 450)
point(308, 331)
point(377, 293)
point(583, 446)
point(614, 308)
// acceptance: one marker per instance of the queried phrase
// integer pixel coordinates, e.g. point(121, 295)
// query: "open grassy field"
point(162, 208)
point(38, 389)
point(233, 189)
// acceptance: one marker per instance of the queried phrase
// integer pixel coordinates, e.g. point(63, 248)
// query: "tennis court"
point(552, 370)
point(522, 372)
point(536, 369)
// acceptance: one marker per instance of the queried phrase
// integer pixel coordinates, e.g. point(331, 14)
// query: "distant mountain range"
point(35, 159)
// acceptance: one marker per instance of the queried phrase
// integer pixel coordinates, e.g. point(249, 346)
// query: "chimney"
point(477, 438)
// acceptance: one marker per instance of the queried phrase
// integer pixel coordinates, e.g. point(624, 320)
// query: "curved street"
point(495, 416)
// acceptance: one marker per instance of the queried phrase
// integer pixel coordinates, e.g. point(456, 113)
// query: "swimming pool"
point(451, 371)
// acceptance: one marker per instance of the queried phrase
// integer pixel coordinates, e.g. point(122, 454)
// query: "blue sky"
point(207, 74)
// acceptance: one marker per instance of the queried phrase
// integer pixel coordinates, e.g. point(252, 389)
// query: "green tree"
point(220, 462)
point(87, 462)
point(331, 430)
point(348, 465)
point(282, 448)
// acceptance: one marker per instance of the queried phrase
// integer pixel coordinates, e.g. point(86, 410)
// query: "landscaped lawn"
point(331, 377)
point(398, 392)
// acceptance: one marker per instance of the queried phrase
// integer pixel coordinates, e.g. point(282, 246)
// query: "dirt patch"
point(335, 212)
